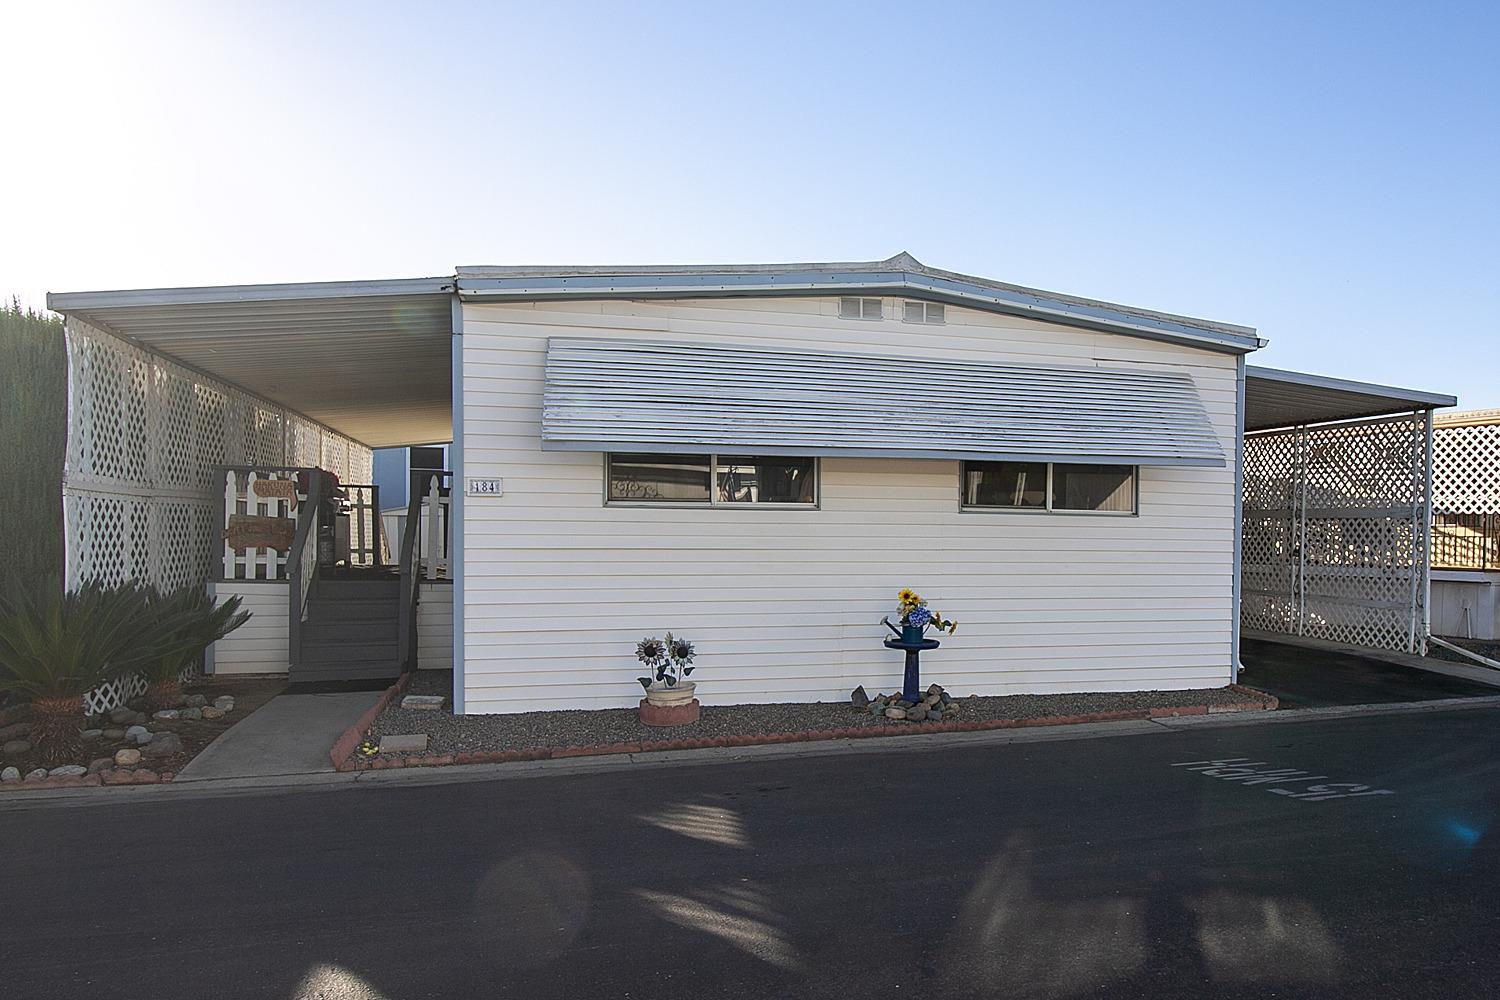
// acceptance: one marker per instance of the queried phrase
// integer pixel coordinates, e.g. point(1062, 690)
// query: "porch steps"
point(351, 630)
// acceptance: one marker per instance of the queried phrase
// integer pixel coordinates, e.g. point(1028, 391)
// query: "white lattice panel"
point(1333, 538)
point(113, 694)
point(1466, 469)
point(1466, 493)
point(146, 438)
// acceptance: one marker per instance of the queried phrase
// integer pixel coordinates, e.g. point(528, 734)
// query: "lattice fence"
point(1335, 532)
point(1466, 493)
point(146, 438)
point(117, 691)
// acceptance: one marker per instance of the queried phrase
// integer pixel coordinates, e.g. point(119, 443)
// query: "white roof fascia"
point(69, 302)
point(901, 275)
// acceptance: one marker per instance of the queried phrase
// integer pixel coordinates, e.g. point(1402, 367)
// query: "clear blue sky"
point(1327, 173)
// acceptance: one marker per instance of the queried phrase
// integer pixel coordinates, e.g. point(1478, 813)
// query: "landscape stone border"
point(111, 776)
point(345, 760)
point(342, 753)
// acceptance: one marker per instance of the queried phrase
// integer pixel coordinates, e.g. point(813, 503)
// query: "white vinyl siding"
point(259, 645)
point(435, 627)
point(785, 605)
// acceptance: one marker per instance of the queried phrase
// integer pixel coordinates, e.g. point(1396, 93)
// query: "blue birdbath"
point(909, 638)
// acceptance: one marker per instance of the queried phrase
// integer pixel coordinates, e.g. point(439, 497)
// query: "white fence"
point(146, 438)
point(1466, 491)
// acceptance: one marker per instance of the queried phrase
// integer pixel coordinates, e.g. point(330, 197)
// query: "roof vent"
point(924, 312)
point(851, 307)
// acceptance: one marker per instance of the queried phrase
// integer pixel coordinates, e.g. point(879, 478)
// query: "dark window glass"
point(667, 478)
point(757, 479)
point(1005, 484)
point(1093, 487)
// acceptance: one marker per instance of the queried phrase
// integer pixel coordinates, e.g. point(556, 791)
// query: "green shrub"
point(55, 648)
point(34, 416)
point(182, 625)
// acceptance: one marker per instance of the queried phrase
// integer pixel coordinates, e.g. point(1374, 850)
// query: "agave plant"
point(182, 624)
point(56, 648)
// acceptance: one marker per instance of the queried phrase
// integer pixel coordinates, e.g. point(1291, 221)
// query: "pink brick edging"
point(111, 776)
point(1256, 701)
point(343, 747)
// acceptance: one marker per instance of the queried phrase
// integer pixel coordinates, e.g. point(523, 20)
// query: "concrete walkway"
point(290, 734)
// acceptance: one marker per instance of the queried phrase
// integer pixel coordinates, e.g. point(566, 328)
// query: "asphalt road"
point(1090, 867)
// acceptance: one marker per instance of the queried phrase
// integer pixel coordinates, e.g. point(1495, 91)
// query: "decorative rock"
point(877, 708)
point(190, 714)
point(122, 715)
point(127, 757)
point(903, 704)
point(895, 713)
point(859, 699)
point(36, 775)
point(166, 714)
point(90, 735)
point(68, 771)
point(105, 763)
point(138, 735)
point(404, 743)
point(163, 745)
point(10, 774)
point(916, 714)
point(19, 730)
point(423, 702)
point(209, 712)
point(15, 748)
point(114, 734)
point(224, 703)
point(934, 689)
point(195, 700)
point(945, 698)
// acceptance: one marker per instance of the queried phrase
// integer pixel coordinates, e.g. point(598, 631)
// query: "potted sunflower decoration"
point(669, 697)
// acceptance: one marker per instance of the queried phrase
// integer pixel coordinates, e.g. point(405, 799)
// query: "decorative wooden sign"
point(251, 531)
point(282, 489)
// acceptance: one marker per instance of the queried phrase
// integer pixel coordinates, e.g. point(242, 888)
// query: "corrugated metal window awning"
point(622, 395)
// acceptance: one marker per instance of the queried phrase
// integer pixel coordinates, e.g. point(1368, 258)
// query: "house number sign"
point(484, 487)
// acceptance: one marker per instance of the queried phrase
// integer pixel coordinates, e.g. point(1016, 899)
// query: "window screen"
point(1093, 487)
point(1005, 484)
point(756, 479)
point(673, 478)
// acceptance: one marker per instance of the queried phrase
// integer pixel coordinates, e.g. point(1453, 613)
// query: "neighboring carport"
point(1335, 536)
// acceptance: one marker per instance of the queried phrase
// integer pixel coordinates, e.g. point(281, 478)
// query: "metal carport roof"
point(1276, 398)
point(370, 359)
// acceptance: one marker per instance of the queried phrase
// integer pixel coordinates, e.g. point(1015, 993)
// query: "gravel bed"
point(448, 733)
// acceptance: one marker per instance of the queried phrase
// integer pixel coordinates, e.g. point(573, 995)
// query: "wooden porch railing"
point(302, 569)
point(424, 551)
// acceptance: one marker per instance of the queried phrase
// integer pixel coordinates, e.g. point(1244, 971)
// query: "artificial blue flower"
point(919, 617)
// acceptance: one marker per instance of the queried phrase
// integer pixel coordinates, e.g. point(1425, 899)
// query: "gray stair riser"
point(346, 672)
point(347, 631)
point(348, 611)
point(358, 589)
point(347, 652)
